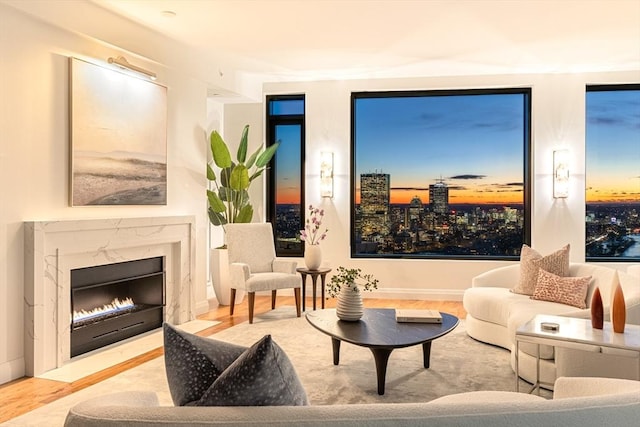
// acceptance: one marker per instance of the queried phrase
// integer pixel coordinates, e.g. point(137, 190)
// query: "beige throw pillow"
point(564, 290)
point(531, 262)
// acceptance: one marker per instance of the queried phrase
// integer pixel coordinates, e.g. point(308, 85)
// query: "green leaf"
point(264, 158)
point(215, 203)
point(225, 194)
point(243, 198)
point(253, 157)
point(216, 218)
point(256, 174)
point(225, 175)
point(219, 150)
point(239, 178)
point(245, 214)
point(211, 175)
point(244, 141)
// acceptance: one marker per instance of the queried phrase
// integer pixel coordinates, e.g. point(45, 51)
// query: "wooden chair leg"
point(296, 294)
point(273, 299)
point(232, 303)
point(252, 299)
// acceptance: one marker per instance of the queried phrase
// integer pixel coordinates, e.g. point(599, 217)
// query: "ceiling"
point(311, 39)
point(290, 40)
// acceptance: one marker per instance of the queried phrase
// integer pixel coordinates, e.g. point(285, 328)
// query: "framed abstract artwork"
point(118, 131)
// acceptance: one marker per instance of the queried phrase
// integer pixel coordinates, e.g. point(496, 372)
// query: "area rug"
point(458, 364)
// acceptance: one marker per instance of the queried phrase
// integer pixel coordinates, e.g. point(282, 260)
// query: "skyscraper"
point(439, 197)
point(374, 203)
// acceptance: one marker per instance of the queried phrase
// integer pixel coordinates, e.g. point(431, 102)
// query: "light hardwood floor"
point(26, 394)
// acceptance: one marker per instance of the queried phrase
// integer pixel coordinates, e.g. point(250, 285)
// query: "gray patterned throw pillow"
point(208, 372)
point(193, 363)
point(262, 376)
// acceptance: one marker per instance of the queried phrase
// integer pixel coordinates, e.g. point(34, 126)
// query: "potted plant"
point(228, 201)
point(347, 284)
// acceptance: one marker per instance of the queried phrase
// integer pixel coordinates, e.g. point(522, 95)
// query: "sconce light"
point(122, 62)
point(326, 174)
point(560, 174)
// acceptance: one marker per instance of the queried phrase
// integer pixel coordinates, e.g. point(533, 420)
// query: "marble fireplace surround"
point(54, 248)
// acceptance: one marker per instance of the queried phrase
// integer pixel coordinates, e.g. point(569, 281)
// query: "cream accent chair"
point(253, 265)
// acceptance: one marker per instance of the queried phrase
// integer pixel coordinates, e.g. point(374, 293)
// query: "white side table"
point(573, 333)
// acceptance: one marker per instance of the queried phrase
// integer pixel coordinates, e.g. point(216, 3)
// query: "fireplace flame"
point(115, 305)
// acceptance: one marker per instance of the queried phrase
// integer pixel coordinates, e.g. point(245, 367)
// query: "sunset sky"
point(288, 158)
point(613, 146)
point(474, 142)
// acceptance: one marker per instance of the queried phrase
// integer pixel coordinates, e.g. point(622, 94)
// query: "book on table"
point(418, 316)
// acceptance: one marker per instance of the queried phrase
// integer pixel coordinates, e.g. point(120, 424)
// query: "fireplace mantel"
point(54, 248)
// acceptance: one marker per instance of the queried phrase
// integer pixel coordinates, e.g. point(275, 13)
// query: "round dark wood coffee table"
point(379, 332)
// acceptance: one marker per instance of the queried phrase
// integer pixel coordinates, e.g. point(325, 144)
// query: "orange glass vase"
point(618, 308)
point(597, 310)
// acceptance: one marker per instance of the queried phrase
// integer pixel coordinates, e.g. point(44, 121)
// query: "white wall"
point(558, 120)
point(34, 153)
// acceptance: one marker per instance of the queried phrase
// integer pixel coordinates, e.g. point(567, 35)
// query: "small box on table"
point(418, 316)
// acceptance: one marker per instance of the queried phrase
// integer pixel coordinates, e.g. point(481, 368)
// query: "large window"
point(613, 173)
point(285, 188)
point(440, 174)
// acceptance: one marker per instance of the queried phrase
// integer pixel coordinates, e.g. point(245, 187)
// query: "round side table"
point(304, 272)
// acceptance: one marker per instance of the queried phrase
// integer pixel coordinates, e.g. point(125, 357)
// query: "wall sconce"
point(560, 174)
point(326, 174)
point(122, 62)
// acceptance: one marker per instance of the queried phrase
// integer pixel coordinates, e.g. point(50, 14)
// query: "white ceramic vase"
point(312, 256)
point(350, 306)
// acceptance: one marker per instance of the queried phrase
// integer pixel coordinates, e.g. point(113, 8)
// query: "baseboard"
point(394, 293)
point(202, 307)
point(12, 370)
point(417, 294)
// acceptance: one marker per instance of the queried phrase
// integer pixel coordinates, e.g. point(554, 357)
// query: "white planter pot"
point(350, 306)
point(219, 266)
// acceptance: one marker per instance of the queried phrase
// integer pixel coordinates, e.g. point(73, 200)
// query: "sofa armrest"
point(284, 266)
point(91, 411)
point(501, 277)
point(567, 387)
point(634, 270)
point(631, 289)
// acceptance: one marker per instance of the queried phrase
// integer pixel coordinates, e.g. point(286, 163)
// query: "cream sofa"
point(577, 402)
point(494, 313)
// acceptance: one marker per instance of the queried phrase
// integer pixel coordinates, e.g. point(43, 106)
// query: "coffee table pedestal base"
point(381, 357)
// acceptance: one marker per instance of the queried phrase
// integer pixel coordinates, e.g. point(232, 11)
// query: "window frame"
point(272, 121)
point(602, 88)
point(526, 168)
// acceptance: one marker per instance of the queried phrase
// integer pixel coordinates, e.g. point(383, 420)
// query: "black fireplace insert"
point(112, 302)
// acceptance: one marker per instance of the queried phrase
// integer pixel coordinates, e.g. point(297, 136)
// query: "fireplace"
point(53, 249)
point(113, 302)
